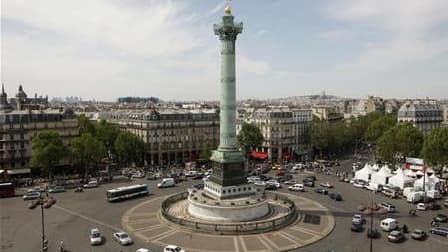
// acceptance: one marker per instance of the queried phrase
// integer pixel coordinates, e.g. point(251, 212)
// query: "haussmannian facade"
point(171, 135)
point(19, 127)
point(285, 130)
point(425, 115)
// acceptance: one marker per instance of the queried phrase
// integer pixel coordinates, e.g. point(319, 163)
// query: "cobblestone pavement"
point(145, 222)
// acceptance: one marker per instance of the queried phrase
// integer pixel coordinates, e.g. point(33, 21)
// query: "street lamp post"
point(46, 202)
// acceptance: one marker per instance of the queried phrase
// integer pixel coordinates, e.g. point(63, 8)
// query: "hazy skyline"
point(104, 49)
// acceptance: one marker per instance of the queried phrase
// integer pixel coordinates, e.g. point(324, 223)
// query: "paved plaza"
point(75, 213)
point(145, 222)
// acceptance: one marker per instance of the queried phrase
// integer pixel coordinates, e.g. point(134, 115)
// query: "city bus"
point(126, 192)
point(6, 190)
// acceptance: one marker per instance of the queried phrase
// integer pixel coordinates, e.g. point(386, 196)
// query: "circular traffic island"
point(166, 220)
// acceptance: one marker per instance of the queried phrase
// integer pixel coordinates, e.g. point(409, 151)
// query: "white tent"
point(375, 167)
point(382, 176)
point(430, 182)
point(364, 173)
point(400, 180)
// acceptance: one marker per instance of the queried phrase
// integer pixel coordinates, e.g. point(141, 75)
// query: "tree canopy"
point(107, 133)
point(129, 148)
point(48, 151)
point(403, 139)
point(435, 148)
point(249, 137)
point(377, 128)
point(87, 150)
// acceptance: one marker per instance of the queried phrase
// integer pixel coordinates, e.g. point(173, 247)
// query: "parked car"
point(388, 206)
point(56, 189)
point(326, 184)
point(395, 236)
point(270, 187)
point(173, 248)
point(390, 193)
point(297, 188)
point(280, 173)
point(91, 184)
point(335, 196)
point(33, 204)
point(359, 183)
point(445, 202)
point(122, 238)
point(31, 195)
point(142, 250)
point(95, 237)
point(198, 186)
point(290, 182)
point(441, 218)
point(434, 206)
point(356, 227)
point(418, 234)
point(260, 183)
point(443, 231)
point(357, 219)
point(198, 176)
point(321, 191)
point(422, 206)
point(274, 182)
point(308, 183)
point(312, 178)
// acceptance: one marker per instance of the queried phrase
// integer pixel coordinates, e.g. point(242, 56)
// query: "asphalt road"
point(76, 213)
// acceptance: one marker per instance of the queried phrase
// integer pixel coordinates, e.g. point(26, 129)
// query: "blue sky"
point(103, 49)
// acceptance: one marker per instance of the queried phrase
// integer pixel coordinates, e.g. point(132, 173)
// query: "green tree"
point(107, 133)
point(48, 151)
point(435, 148)
point(85, 125)
point(86, 151)
point(377, 128)
point(207, 149)
point(401, 139)
point(129, 148)
point(249, 137)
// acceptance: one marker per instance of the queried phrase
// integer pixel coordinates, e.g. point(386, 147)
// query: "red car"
point(280, 173)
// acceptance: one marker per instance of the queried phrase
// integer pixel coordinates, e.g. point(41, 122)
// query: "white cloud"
point(337, 35)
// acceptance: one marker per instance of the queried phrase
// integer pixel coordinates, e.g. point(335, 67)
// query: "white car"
point(173, 248)
point(422, 206)
point(91, 184)
point(297, 188)
point(290, 182)
point(260, 183)
point(274, 182)
point(95, 237)
point(357, 219)
point(31, 195)
point(122, 238)
point(326, 184)
point(142, 250)
point(56, 189)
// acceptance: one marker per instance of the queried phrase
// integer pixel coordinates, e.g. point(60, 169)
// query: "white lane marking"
point(164, 235)
point(307, 231)
point(270, 242)
point(243, 244)
point(291, 237)
point(144, 229)
point(86, 218)
point(265, 243)
point(235, 244)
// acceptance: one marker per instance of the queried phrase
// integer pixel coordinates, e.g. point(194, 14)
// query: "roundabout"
point(145, 221)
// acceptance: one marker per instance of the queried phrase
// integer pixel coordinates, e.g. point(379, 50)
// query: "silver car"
point(122, 238)
point(31, 195)
point(95, 237)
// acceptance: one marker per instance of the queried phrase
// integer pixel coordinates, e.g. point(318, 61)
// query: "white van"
point(433, 194)
point(414, 197)
point(166, 182)
point(388, 224)
point(408, 190)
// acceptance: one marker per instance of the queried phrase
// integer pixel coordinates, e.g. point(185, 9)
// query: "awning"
point(259, 155)
point(19, 171)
